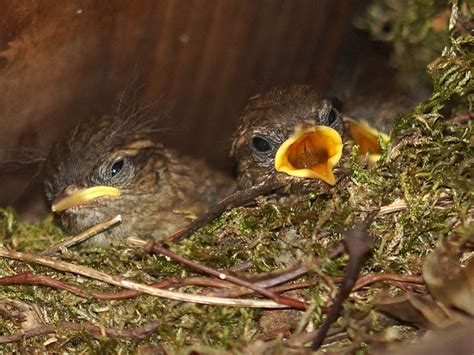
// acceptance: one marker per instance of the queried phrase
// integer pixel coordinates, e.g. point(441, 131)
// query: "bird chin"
point(77, 219)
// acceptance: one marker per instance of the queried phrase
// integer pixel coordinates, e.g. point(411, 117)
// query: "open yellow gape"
point(367, 138)
point(311, 152)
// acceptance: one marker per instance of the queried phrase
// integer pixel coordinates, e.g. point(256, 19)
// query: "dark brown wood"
point(61, 62)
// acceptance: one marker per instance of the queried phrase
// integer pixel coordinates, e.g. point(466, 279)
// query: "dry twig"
point(357, 242)
point(154, 247)
point(132, 285)
point(237, 199)
point(82, 237)
point(28, 278)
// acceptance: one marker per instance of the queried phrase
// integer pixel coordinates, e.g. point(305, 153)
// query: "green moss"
point(417, 33)
point(26, 236)
point(429, 164)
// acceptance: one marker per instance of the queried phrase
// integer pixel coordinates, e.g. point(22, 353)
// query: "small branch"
point(122, 282)
point(237, 199)
point(393, 279)
point(387, 278)
point(28, 278)
point(137, 333)
point(357, 242)
point(153, 247)
point(276, 278)
point(83, 236)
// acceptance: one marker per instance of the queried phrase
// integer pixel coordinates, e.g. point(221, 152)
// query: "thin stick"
point(153, 247)
point(387, 277)
point(363, 281)
point(291, 273)
point(132, 285)
point(81, 237)
point(357, 243)
point(28, 278)
point(237, 199)
point(393, 279)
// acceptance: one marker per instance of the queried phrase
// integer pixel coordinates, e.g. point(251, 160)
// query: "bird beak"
point(78, 197)
point(311, 152)
point(367, 138)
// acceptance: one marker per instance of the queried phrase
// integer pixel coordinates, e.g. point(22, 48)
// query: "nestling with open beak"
point(297, 132)
point(115, 165)
point(292, 130)
point(380, 109)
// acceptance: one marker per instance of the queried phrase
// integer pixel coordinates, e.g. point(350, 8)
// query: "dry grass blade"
point(395, 206)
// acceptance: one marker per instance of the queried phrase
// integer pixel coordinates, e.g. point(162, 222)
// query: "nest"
point(421, 237)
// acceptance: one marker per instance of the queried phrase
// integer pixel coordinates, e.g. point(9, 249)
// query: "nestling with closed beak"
point(116, 165)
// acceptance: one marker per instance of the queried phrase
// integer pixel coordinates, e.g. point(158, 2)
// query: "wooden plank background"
point(61, 62)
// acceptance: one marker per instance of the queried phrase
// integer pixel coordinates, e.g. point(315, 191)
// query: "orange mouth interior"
point(366, 138)
point(310, 153)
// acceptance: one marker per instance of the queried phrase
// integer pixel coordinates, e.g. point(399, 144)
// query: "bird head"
point(293, 131)
point(107, 167)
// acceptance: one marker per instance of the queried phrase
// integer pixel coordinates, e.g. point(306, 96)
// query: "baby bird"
point(298, 132)
point(115, 165)
point(292, 130)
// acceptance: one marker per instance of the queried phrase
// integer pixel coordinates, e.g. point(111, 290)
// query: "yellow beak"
point(310, 152)
point(367, 138)
point(83, 197)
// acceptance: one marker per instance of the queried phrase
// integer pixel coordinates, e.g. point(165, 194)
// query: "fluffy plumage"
point(158, 187)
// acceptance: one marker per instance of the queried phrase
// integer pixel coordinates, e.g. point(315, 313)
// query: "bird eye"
point(116, 167)
point(331, 116)
point(114, 172)
point(261, 144)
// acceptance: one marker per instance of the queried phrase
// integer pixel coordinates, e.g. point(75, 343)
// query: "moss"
point(428, 163)
point(416, 31)
point(26, 236)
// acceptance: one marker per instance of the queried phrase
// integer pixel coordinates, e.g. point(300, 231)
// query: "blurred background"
point(63, 62)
